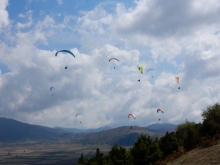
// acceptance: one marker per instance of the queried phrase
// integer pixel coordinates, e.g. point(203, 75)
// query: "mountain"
point(12, 130)
point(76, 130)
point(164, 127)
point(124, 136)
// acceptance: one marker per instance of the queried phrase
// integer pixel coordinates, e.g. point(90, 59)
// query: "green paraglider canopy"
point(141, 69)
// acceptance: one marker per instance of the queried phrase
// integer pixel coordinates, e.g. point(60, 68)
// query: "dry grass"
point(208, 153)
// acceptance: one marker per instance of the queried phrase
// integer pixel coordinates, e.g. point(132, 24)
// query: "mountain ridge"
point(13, 130)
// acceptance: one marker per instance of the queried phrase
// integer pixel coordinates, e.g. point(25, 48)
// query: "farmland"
point(45, 152)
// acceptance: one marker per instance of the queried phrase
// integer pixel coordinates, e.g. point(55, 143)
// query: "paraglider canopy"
point(141, 69)
point(51, 88)
point(131, 116)
point(151, 69)
point(65, 51)
point(113, 59)
point(178, 79)
point(80, 114)
point(159, 110)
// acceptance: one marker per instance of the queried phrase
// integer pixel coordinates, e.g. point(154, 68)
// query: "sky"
point(177, 38)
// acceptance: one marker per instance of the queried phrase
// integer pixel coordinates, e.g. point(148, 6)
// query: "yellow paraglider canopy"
point(141, 69)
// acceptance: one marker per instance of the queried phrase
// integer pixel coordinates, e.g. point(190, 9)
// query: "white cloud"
point(4, 20)
point(29, 17)
point(155, 34)
point(60, 2)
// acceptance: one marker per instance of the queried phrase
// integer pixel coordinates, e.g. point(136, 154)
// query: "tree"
point(188, 134)
point(99, 157)
point(145, 151)
point(119, 156)
point(211, 121)
point(168, 143)
point(81, 159)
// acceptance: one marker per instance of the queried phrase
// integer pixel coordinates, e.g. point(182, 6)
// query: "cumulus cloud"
point(4, 20)
point(179, 38)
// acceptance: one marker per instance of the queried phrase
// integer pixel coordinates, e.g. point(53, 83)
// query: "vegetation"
point(150, 151)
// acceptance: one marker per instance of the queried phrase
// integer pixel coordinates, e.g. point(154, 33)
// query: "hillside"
point(12, 130)
point(199, 156)
point(162, 127)
point(123, 136)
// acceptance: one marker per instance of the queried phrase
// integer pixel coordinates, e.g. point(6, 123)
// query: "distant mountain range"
point(157, 127)
point(162, 127)
point(76, 130)
point(12, 130)
point(123, 136)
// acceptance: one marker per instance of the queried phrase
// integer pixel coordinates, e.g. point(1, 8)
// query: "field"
point(45, 152)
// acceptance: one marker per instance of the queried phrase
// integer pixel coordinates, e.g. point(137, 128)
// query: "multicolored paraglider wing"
point(113, 59)
point(131, 115)
point(65, 51)
point(178, 80)
point(159, 110)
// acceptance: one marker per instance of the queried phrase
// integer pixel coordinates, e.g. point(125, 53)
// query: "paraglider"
point(151, 70)
point(80, 115)
point(51, 88)
point(131, 116)
point(141, 69)
point(178, 81)
point(65, 51)
point(113, 59)
point(160, 110)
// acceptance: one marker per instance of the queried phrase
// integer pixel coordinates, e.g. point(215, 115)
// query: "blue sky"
point(178, 38)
